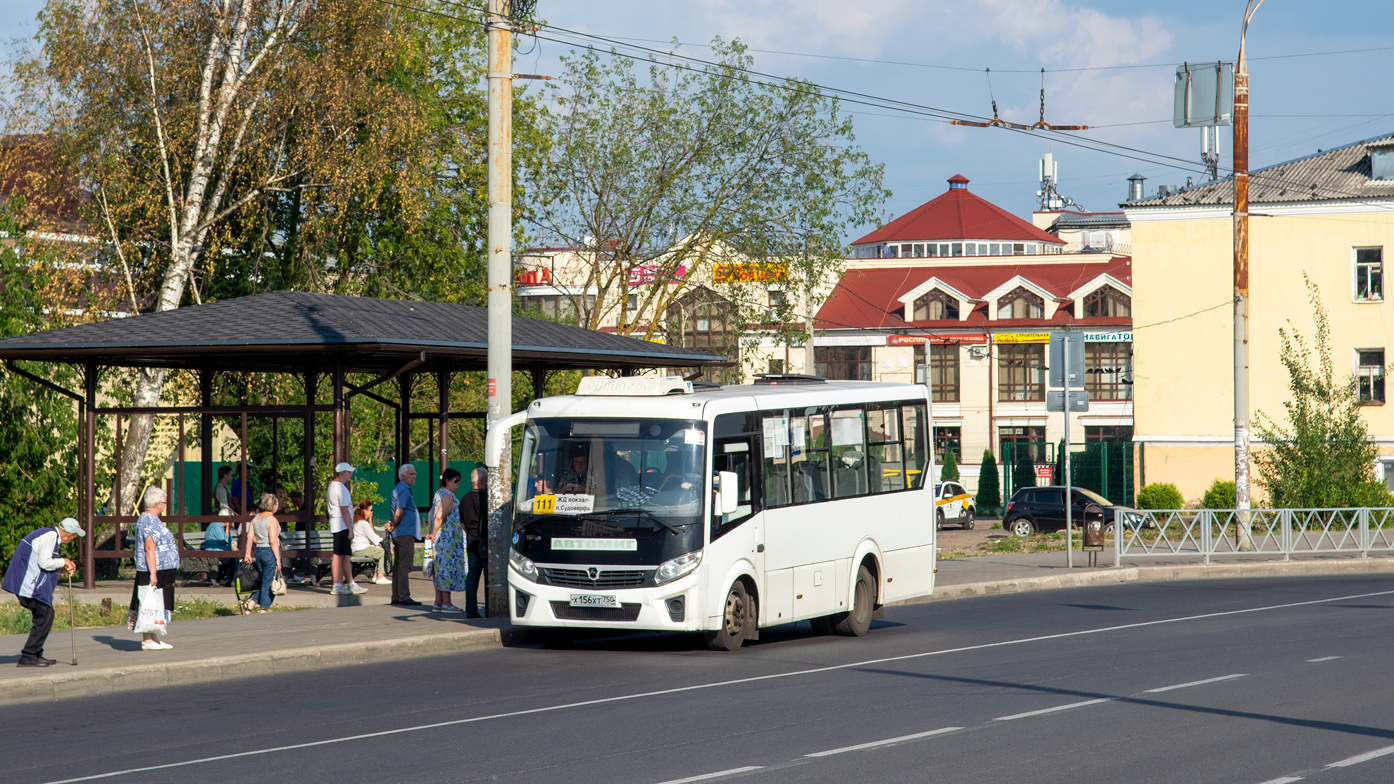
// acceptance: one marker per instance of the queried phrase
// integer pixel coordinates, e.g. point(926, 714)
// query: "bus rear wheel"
point(858, 622)
point(735, 621)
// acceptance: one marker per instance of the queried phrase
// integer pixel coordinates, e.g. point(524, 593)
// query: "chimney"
point(1135, 187)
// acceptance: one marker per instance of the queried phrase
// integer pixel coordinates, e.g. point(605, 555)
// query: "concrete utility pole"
point(500, 364)
point(1241, 284)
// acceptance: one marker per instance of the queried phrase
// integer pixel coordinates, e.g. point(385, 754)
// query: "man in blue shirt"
point(32, 576)
point(404, 528)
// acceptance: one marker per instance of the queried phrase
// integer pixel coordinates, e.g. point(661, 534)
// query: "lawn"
point(17, 620)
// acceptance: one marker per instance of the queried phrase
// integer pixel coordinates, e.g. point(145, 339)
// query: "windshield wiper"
point(652, 517)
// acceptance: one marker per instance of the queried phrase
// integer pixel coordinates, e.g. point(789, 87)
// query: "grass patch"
point(17, 620)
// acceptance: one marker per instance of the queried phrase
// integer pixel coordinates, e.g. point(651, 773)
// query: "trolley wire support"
point(1039, 125)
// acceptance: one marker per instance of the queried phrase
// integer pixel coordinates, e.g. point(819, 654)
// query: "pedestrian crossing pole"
point(500, 297)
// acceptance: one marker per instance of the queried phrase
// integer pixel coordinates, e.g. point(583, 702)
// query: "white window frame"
point(1355, 274)
point(1363, 372)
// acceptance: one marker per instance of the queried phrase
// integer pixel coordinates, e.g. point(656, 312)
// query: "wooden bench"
point(291, 542)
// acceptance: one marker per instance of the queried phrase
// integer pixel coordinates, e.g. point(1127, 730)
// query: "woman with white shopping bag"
point(157, 560)
point(265, 537)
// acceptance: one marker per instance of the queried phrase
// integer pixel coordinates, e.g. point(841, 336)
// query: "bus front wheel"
point(735, 621)
point(858, 622)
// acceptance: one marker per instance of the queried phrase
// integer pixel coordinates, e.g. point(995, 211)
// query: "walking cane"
point(72, 633)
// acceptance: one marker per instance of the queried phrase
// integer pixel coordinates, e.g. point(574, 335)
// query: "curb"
point(1129, 574)
point(110, 680)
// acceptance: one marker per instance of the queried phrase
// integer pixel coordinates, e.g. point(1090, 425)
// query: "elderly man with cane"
point(32, 576)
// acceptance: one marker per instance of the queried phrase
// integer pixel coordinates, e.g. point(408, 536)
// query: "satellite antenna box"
point(1204, 95)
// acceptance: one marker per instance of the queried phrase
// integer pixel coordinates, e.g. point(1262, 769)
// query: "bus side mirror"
point(728, 496)
point(500, 433)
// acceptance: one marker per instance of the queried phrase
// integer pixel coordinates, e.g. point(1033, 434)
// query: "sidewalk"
point(367, 629)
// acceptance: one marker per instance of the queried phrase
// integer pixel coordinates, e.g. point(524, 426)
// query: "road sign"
point(1055, 400)
point(1204, 95)
point(1066, 363)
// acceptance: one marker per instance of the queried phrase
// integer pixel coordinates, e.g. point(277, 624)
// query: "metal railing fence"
point(1159, 533)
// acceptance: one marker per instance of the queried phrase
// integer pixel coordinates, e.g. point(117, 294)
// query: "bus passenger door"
point(739, 535)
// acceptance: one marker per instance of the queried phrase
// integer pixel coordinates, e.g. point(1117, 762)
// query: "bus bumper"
point(671, 607)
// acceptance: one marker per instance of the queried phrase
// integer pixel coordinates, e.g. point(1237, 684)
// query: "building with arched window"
point(973, 324)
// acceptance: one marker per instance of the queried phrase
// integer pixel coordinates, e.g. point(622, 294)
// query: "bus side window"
point(886, 468)
point(809, 444)
point(775, 433)
point(849, 453)
point(734, 456)
point(918, 461)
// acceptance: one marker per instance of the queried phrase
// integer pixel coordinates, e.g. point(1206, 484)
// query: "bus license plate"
point(595, 600)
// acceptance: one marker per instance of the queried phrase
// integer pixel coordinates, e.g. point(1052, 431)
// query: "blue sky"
point(1024, 35)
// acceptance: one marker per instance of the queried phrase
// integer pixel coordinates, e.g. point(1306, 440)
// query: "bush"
point(1160, 495)
point(949, 473)
point(1219, 496)
point(989, 486)
point(1373, 494)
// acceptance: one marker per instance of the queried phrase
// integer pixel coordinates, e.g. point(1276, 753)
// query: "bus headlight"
point(522, 565)
point(669, 571)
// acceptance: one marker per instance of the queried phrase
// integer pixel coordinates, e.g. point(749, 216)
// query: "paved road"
point(1243, 681)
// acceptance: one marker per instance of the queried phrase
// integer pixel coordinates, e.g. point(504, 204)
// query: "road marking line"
point(717, 684)
point(1324, 658)
point(1057, 709)
point(1283, 780)
point(885, 742)
point(1359, 758)
point(1197, 683)
point(709, 776)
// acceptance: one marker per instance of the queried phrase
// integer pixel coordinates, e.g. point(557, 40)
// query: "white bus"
point(642, 503)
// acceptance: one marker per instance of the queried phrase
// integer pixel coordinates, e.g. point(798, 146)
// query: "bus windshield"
point(607, 477)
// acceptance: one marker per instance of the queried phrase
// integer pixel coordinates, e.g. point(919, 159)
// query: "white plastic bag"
point(153, 618)
point(428, 561)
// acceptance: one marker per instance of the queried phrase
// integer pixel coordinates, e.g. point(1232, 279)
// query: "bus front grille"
point(611, 578)
point(565, 612)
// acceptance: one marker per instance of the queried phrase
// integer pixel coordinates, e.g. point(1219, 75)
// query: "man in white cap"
point(340, 527)
point(32, 576)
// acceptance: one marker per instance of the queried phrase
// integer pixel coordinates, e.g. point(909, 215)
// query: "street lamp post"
point(1241, 283)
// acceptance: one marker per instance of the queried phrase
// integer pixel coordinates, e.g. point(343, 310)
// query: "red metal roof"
point(958, 214)
point(870, 298)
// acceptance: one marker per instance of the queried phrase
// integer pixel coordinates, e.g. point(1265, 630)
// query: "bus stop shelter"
point(397, 344)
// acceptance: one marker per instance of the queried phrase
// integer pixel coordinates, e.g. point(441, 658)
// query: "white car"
point(952, 506)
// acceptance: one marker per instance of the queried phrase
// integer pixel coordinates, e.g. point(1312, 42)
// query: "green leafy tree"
point(989, 484)
point(38, 427)
point(949, 472)
point(673, 170)
point(1322, 455)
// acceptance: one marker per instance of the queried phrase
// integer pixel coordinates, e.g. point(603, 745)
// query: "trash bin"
point(1093, 532)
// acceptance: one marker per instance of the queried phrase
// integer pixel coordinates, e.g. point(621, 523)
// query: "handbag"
point(248, 578)
point(278, 584)
point(152, 618)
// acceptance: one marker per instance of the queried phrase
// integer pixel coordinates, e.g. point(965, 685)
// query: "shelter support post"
point(404, 442)
point(340, 453)
point(539, 382)
point(443, 389)
point(308, 447)
point(205, 440)
point(89, 475)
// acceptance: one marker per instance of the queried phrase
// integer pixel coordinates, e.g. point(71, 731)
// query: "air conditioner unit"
point(977, 352)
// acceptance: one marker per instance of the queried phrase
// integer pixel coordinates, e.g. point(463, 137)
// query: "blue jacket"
point(24, 577)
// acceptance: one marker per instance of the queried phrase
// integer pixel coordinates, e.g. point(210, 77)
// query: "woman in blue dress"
point(448, 542)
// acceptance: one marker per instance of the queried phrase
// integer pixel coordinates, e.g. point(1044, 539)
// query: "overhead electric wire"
point(856, 97)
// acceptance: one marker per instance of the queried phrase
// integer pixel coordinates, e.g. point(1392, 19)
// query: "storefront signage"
point(1108, 337)
point(936, 340)
point(532, 277)
point(1022, 337)
point(750, 273)
point(646, 274)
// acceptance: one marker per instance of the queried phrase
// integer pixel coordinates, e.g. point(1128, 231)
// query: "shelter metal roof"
point(287, 331)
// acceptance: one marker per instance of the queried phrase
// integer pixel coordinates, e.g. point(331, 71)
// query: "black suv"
point(1042, 509)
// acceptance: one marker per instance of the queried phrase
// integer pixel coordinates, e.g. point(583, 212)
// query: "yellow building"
point(1329, 217)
